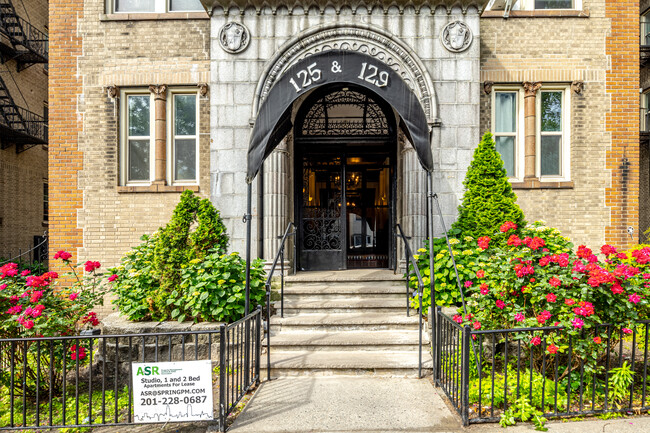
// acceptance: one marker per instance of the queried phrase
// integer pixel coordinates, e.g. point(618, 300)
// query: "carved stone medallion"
point(234, 37)
point(456, 36)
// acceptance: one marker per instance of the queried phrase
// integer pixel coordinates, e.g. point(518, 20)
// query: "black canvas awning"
point(273, 120)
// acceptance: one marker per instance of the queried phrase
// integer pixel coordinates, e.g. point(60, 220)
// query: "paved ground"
point(339, 404)
point(346, 404)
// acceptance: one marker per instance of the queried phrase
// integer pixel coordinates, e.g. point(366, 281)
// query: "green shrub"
point(137, 288)
point(176, 245)
point(489, 200)
point(182, 275)
point(213, 289)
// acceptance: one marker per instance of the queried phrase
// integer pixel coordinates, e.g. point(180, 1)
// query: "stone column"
point(160, 128)
point(276, 201)
point(414, 216)
point(530, 148)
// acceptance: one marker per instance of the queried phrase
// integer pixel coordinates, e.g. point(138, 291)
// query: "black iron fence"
point(36, 253)
point(485, 373)
point(85, 380)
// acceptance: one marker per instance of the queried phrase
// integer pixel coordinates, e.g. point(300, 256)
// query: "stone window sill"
point(552, 13)
point(536, 184)
point(158, 188)
point(155, 16)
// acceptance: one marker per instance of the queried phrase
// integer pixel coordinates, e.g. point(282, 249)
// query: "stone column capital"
point(159, 90)
point(531, 88)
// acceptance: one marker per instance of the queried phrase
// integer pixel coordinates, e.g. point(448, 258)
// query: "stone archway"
point(277, 193)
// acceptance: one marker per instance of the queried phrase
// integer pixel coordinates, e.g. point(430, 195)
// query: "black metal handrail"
point(279, 256)
point(35, 248)
point(409, 258)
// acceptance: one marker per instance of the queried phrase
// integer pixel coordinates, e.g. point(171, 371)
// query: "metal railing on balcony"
point(30, 45)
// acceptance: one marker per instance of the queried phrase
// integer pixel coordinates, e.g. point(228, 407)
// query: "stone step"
point(348, 340)
point(344, 305)
point(380, 363)
point(345, 321)
point(351, 275)
point(349, 288)
point(319, 297)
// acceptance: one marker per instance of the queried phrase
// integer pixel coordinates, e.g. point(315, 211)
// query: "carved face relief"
point(456, 36)
point(234, 37)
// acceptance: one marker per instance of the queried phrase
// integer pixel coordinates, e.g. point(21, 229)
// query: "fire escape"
point(22, 42)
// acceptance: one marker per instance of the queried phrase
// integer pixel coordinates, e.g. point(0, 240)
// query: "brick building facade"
point(23, 125)
point(557, 86)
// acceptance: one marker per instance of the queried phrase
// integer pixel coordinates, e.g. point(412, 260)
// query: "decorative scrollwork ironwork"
point(321, 229)
point(345, 112)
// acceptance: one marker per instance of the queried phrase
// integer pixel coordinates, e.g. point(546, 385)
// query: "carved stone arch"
point(361, 37)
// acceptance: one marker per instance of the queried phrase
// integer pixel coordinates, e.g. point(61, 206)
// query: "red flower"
point(479, 274)
point(73, 296)
point(36, 296)
point(3, 286)
point(535, 341)
point(607, 250)
point(468, 284)
point(24, 273)
point(555, 282)
point(551, 297)
point(63, 255)
point(91, 266)
point(569, 301)
point(536, 243)
point(552, 348)
point(114, 277)
point(500, 304)
point(642, 256)
point(484, 289)
point(92, 319)
point(634, 298)
point(508, 225)
point(28, 324)
point(484, 242)
point(617, 289)
point(583, 252)
point(627, 331)
point(597, 340)
point(477, 325)
point(514, 241)
point(36, 281)
point(622, 256)
point(457, 318)
point(82, 352)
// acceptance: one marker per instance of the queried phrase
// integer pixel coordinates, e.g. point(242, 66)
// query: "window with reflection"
point(138, 140)
point(185, 137)
point(505, 128)
point(551, 133)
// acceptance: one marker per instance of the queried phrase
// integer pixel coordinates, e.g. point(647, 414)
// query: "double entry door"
point(345, 209)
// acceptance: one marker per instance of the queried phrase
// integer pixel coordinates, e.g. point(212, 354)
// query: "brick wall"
point(622, 48)
point(93, 219)
point(22, 175)
point(603, 125)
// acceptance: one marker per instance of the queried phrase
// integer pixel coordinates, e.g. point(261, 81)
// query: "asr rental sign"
point(172, 391)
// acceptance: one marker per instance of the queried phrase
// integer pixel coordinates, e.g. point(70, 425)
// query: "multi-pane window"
point(156, 6)
point(46, 201)
point(645, 112)
point(645, 29)
point(138, 138)
point(185, 137)
point(551, 132)
point(505, 128)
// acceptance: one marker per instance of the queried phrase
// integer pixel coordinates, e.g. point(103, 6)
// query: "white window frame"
point(529, 5)
point(565, 151)
point(124, 137)
point(519, 134)
point(160, 7)
point(171, 162)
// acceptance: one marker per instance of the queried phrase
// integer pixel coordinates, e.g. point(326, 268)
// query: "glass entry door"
point(322, 206)
point(367, 188)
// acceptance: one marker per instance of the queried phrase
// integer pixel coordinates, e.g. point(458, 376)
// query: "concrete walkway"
point(337, 404)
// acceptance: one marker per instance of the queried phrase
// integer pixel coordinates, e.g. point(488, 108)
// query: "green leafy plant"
point(177, 245)
point(523, 410)
point(619, 382)
point(489, 200)
point(213, 289)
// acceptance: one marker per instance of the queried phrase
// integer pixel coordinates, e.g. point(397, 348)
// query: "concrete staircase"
point(346, 322)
